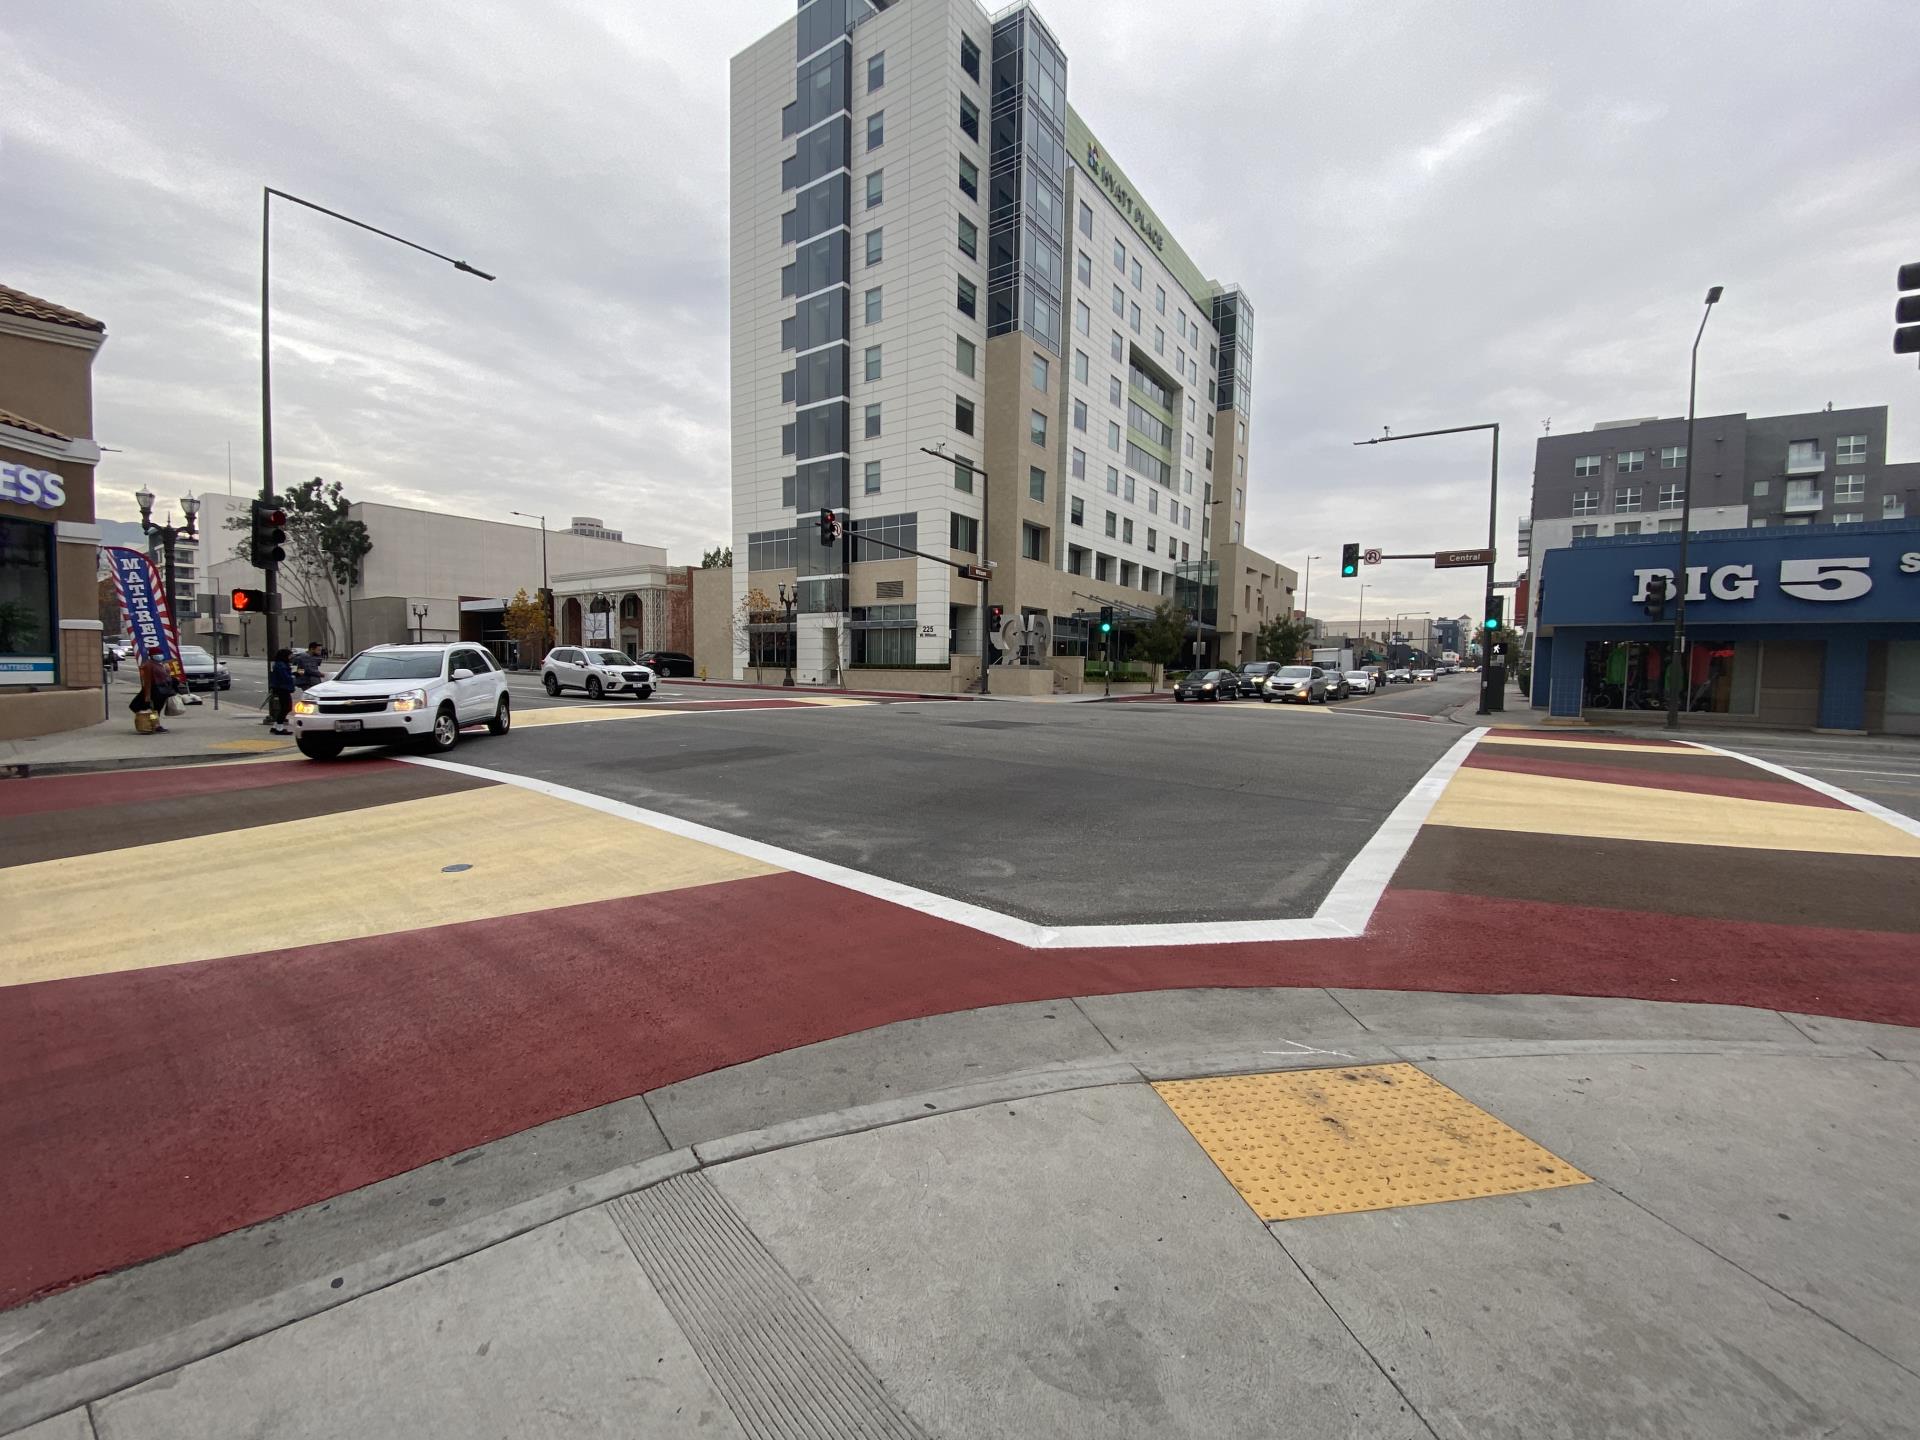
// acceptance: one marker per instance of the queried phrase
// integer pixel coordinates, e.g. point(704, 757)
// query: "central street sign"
point(1458, 559)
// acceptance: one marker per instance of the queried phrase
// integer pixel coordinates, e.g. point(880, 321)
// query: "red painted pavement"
point(1760, 787)
point(120, 787)
point(144, 1111)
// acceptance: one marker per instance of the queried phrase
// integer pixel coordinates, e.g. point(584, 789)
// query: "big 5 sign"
point(1836, 578)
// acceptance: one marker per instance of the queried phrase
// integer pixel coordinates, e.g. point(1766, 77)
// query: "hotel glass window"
point(786, 439)
point(1586, 502)
point(1116, 392)
point(873, 421)
point(1113, 525)
point(1188, 487)
point(1082, 319)
point(962, 475)
point(1627, 461)
point(873, 306)
point(1191, 412)
point(1037, 427)
point(900, 530)
point(876, 129)
point(1120, 256)
point(1083, 268)
point(1118, 349)
point(1113, 480)
point(1133, 318)
point(964, 355)
point(1036, 483)
point(1159, 341)
point(1241, 426)
point(1672, 496)
point(1033, 541)
point(873, 362)
point(1133, 273)
point(1160, 299)
point(963, 533)
point(969, 178)
point(1079, 464)
point(1113, 434)
point(969, 117)
point(1079, 414)
point(1153, 502)
point(1189, 446)
point(1103, 567)
point(969, 238)
point(876, 188)
point(963, 415)
point(969, 56)
point(1585, 532)
point(1130, 489)
point(1850, 450)
point(968, 299)
point(1849, 489)
point(1080, 364)
point(876, 72)
point(1672, 457)
point(1126, 532)
point(1042, 373)
point(1626, 499)
point(1077, 511)
point(1153, 539)
point(1585, 465)
point(1119, 301)
point(1086, 219)
point(873, 477)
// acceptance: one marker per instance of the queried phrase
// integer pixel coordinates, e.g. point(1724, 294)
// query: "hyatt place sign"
point(1123, 200)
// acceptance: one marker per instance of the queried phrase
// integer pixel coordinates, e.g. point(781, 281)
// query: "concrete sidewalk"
point(203, 733)
point(997, 1223)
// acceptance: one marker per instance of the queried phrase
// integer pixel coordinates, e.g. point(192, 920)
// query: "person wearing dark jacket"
point(156, 684)
point(280, 687)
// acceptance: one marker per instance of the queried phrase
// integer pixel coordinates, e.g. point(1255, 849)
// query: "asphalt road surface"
point(1883, 769)
point(1068, 814)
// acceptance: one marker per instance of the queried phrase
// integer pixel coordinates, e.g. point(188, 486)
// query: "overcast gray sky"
point(1444, 213)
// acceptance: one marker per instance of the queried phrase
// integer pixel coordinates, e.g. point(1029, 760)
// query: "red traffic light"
point(250, 602)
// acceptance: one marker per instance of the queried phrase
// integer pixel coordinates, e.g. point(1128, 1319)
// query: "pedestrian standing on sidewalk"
point(280, 687)
point(156, 684)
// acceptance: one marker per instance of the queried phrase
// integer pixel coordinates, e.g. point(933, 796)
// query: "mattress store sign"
point(25, 486)
point(1829, 580)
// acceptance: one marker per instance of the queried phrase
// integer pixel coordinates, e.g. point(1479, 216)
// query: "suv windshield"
point(607, 657)
point(1296, 672)
point(369, 665)
point(1259, 667)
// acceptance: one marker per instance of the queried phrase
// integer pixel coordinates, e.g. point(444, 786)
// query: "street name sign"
point(1459, 559)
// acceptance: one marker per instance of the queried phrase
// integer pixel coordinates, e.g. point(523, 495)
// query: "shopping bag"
point(145, 722)
point(174, 705)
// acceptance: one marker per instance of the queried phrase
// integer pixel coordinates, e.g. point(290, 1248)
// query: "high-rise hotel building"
point(931, 251)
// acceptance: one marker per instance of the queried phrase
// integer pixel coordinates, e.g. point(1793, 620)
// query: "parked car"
point(1337, 686)
point(202, 671)
point(1208, 685)
point(1253, 676)
point(1305, 683)
point(668, 662)
point(598, 672)
point(395, 694)
point(1361, 682)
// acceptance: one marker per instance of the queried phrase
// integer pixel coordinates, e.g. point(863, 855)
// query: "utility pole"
point(1677, 653)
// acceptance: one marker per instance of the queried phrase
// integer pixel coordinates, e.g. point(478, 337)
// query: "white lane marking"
point(1342, 915)
point(1846, 797)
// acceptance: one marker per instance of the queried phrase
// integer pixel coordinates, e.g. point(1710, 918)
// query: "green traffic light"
point(1105, 628)
point(1490, 623)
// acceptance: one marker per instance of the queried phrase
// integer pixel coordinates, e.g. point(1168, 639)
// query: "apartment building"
point(933, 252)
point(1626, 477)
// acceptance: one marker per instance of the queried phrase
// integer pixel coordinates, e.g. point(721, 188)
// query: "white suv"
point(395, 693)
point(598, 672)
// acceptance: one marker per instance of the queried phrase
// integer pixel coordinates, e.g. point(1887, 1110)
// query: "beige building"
point(932, 252)
point(50, 630)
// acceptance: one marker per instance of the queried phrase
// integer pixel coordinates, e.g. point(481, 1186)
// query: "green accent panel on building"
point(1149, 446)
point(1091, 159)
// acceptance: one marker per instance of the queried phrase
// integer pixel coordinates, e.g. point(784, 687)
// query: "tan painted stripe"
point(534, 717)
point(1550, 805)
point(336, 877)
point(1496, 738)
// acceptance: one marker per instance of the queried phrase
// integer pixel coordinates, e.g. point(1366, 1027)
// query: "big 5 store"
point(1815, 627)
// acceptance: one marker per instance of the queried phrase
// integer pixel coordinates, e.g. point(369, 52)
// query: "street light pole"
point(1306, 597)
point(267, 194)
point(1677, 653)
point(546, 591)
point(1487, 683)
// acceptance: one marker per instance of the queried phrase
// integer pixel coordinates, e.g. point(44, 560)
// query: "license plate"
point(348, 724)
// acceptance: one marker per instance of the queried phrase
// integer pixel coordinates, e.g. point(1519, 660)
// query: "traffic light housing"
point(827, 527)
point(266, 545)
point(1496, 613)
point(1349, 561)
point(1659, 591)
point(250, 602)
point(1106, 619)
point(1906, 311)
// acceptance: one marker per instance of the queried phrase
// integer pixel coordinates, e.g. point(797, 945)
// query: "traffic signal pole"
point(272, 571)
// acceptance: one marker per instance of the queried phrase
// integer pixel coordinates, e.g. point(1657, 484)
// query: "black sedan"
point(668, 662)
point(1208, 685)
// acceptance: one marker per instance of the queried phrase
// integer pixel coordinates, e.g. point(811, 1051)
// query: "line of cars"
point(1270, 681)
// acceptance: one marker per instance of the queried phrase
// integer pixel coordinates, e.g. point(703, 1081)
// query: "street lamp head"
point(1713, 295)
point(463, 265)
point(144, 497)
point(189, 507)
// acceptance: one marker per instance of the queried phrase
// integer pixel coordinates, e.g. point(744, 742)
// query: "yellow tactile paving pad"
point(1329, 1142)
point(336, 877)
point(1478, 799)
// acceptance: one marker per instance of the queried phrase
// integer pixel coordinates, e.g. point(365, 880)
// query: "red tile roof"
point(18, 302)
point(20, 422)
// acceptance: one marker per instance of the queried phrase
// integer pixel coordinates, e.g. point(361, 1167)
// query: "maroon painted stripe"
point(115, 787)
point(222, 1093)
point(1574, 735)
point(1761, 786)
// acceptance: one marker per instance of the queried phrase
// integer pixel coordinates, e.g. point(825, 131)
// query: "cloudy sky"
point(1445, 213)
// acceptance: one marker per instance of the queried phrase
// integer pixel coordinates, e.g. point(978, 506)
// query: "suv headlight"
point(305, 707)
point(410, 700)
